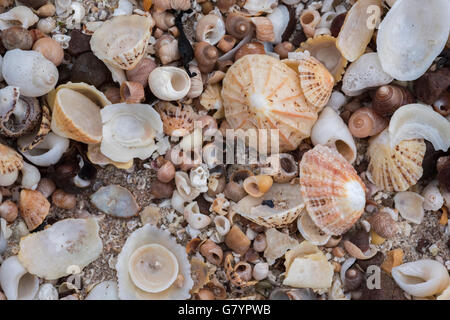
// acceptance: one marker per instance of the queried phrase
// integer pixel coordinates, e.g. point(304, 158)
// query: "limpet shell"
point(116, 201)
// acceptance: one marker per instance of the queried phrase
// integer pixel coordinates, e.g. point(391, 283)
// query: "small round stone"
point(17, 38)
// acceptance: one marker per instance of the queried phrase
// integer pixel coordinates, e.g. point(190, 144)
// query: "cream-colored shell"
point(122, 40)
point(277, 244)
point(52, 147)
point(52, 253)
point(149, 234)
point(169, 83)
point(105, 290)
point(310, 231)
point(410, 206)
point(16, 282)
point(21, 15)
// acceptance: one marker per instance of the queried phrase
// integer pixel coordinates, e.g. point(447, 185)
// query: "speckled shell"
point(333, 192)
point(10, 160)
point(395, 169)
point(261, 92)
point(178, 121)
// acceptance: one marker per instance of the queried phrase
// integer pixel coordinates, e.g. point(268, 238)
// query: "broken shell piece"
point(433, 199)
point(415, 121)
point(323, 169)
point(16, 282)
point(364, 73)
point(421, 278)
point(96, 157)
point(47, 152)
point(211, 97)
point(105, 290)
point(282, 167)
point(410, 206)
point(256, 7)
point(150, 264)
point(310, 231)
point(21, 15)
point(10, 160)
point(178, 121)
point(194, 218)
point(357, 29)
point(116, 201)
point(237, 277)
point(280, 18)
point(33, 208)
point(184, 186)
point(264, 29)
point(307, 267)
point(277, 244)
point(122, 40)
point(395, 169)
point(210, 28)
point(408, 49)
point(278, 207)
point(357, 253)
point(129, 131)
point(67, 243)
point(331, 130)
point(169, 83)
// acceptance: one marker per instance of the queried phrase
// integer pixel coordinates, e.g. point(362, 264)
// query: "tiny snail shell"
point(205, 294)
point(193, 216)
point(222, 225)
point(389, 98)
point(257, 186)
point(210, 28)
point(237, 241)
point(227, 43)
point(259, 243)
point(166, 172)
point(169, 83)
point(383, 224)
point(167, 49)
point(244, 270)
point(50, 49)
point(164, 20)
point(212, 252)
point(64, 200)
point(283, 48)
point(8, 211)
point(260, 271)
point(46, 187)
point(364, 122)
point(132, 92)
point(17, 38)
point(309, 20)
point(238, 26)
point(206, 56)
point(249, 48)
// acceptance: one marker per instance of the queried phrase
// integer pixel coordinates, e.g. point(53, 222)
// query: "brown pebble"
point(89, 69)
point(17, 38)
point(35, 4)
point(422, 245)
point(79, 43)
point(431, 85)
point(337, 23)
point(444, 173)
point(161, 190)
point(64, 200)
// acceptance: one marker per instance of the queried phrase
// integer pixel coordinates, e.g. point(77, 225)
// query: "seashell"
point(150, 264)
point(17, 38)
point(356, 252)
point(196, 88)
point(310, 231)
point(423, 41)
point(210, 29)
point(238, 26)
point(257, 186)
point(141, 71)
point(357, 30)
point(212, 252)
point(96, 157)
point(50, 49)
point(410, 206)
point(239, 274)
point(142, 124)
point(30, 176)
point(20, 14)
point(323, 169)
point(105, 290)
point(30, 71)
point(47, 292)
point(324, 49)
point(10, 160)
point(33, 208)
point(211, 98)
point(16, 282)
point(167, 49)
point(163, 19)
point(260, 80)
point(256, 7)
point(383, 224)
point(395, 169)
point(222, 225)
point(316, 81)
point(122, 40)
point(277, 245)
point(282, 167)
point(8, 211)
point(169, 83)
point(389, 98)
point(184, 186)
point(433, 199)
point(445, 295)
point(309, 20)
point(331, 130)
point(237, 241)
point(206, 56)
point(46, 25)
point(178, 121)
point(132, 92)
point(64, 200)
point(116, 201)
point(199, 177)
point(260, 271)
point(283, 49)
point(364, 73)
point(278, 207)
point(78, 245)
point(280, 18)
point(365, 122)
point(194, 218)
point(226, 43)
point(1, 63)
point(264, 29)
point(421, 278)
point(166, 172)
point(416, 121)
point(307, 267)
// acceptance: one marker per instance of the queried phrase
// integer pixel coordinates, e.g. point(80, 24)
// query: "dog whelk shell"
point(116, 201)
point(415, 121)
point(310, 231)
point(261, 92)
point(280, 206)
point(30, 71)
point(410, 206)
point(169, 83)
point(150, 266)
point(357, 30)
point(22, 15)
point(334, 194)
point(410, 38)
point(129, 131)
point(123, 40)
point(16, 282)
point(421, 278)
point(67, 243)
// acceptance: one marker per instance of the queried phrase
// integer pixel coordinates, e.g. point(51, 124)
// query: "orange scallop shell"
point(333, 192)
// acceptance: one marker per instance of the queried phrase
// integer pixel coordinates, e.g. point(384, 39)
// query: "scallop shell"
point(178, 121)
point(139, 240)
point(324, 49)
point(332, 190)
point(287, 202)
point(123, 40)
point(10, 160)
point(408, 49)
point(67, 243)
point(395, 169)
point(261, 92)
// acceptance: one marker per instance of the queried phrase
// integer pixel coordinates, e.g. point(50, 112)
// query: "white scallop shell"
point(55, 251)
point(105, 290)
point(21, 14)
point(16, 282)
point(410, 37)
point(422, 278)
point(30, 71)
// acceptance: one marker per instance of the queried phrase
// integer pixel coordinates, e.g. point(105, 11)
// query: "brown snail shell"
point(238, 26)
point(383, 224)
point(237, 241)
point(364, 122)
point(206, 56)
point(22, 118)
point(389, 98)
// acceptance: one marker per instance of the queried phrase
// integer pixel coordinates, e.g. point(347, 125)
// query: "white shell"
point(106, 290)
point(310, 231)
point(410, 38)
point(125, 8)
point(1, 63)
point(422, 278)
point(280, 19)
point(16, 282)
point(194, 218)
point(116, 201)
point(331, 130)
point(213, 29)
point(277, 244)
point(129, 131)
point(47, 292)
point(433, 199)
point(419, 121)
point(67, 243)
point(223, 225)
point(177, 202)
point(21, 14)
point(30, 71)
point(8, 178)
point(199, 177)
point(364, 73)
point(54, 144)
point(258, 6)
point(149, 234)
point(169, 83)
point(410, 206)
point(30, 176)
point(184, 186)
point(260, 271)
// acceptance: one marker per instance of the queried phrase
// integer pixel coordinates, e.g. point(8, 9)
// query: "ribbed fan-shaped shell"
point(333, 192)
point(395, 169)
point(261, 92)
point(178, 121)
point(10, 160)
